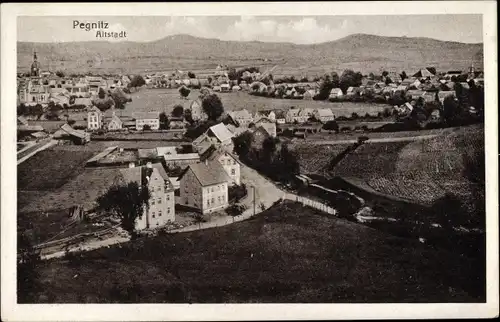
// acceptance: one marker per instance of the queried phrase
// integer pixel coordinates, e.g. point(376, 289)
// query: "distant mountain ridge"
point(358, 51)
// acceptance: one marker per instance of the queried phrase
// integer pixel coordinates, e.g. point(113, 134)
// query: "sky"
point(295, 29)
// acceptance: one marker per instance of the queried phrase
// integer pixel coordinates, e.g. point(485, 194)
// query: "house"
point(310, 94)
point(306, 113)
point(161, 206)
point(151, 119)
point(94, 119)
point(425, 73)
point(218, 135)
point(268, 125)
point(197, 110)
point(293, 116)
point(242, 117)
point(259, 135)
point(115, 123)
point(216, 88)
point(204, 186)
point(225, 88)
point(335, 93)
point(229, 162)
point(429, 97)
point(444, 94)
point(280, 116)
point(323, 115)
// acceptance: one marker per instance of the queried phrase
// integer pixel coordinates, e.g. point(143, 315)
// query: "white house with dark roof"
point(323, 115)
point(161, 206)
point(152, 119)
point(229, 162)
point(204, 186)
point(95, 118)
point(336, 92)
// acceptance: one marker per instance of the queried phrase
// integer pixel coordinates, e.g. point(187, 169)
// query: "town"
point(106, 160)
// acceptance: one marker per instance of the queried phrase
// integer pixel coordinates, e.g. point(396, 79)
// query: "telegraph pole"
point(253, 188)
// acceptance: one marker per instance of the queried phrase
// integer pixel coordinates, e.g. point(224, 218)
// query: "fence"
point(311, 203)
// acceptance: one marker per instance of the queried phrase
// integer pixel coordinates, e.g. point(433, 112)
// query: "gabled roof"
point(336, 91)
point(139, 174)
point(30, 128)
point(324, 112)
point(22, 120)
point(207, 173)
point(83, 101)
point(268, 127)
point(241, 114)
point(95, 109)
point(221, 132)
point(214, 153)
point(71, 131)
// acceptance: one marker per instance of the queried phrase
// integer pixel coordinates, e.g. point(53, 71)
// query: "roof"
point(83, 101)
point(241, 114)
point(208, 173)
point(221, 132)
point(30, 128)
point(146, 115)
point(162, 150)
point(324, 112)
point(182, 156)
point(415, 92)
point(336, 91)
point(268, 127)
point(22, 120)
point(147, 153)
point(214, 153)
point(71, 131)
point(139, 174)
point(95, 109)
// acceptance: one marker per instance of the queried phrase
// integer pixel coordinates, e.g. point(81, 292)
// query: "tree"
point(163, 121)
point(59, 74)
point(385, 73)
point(188, 116)
point(137, 81)
point(27, 276)
point(178, 111)
point(329, 82)
point(331, 126)
point(119, 98)
point(101, 94)
point(191, 75)
point(288, 164)
point(371, 76)
point(184, 91)
point(242, 143)
point(388, 80)
point(212, 106)
point(403, 75)
point(350, 78)
point(126, 202)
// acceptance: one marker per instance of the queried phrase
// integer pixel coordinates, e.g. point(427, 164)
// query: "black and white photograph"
point(323, 157)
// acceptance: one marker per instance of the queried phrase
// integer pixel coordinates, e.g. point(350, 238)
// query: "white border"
point(10, 311)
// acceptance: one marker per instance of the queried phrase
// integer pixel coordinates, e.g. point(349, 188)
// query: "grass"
point(50, 169)
point(289, 253)
point(163, 100)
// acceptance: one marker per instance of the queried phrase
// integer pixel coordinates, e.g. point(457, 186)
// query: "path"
point(28, 153)
point(374, 140)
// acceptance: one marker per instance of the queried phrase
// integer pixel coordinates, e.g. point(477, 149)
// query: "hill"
point(367, 53)
point(287, 254)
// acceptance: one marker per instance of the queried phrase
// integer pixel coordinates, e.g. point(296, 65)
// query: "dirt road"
point(375, 140)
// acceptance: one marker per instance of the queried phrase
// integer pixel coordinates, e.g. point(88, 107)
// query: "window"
point(213, 200)
point(218, 199)
point(159, 188)
point(223, 199)
point(208, 203)
point(157, 223)
point(233, 172)
point(212, 189)
point(152, 201)
point(168, 197)
point(159, 200)
point(153, 215)
point(159, 213)
point(168, 210)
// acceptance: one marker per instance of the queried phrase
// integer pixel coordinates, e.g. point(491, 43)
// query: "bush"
point(235, 210)
point(331, 126)
point(237, 192)
point(354, 116)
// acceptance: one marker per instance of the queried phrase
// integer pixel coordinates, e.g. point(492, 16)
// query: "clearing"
point(289, 253)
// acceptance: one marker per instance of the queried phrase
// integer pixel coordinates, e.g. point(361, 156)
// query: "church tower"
point(35, 66)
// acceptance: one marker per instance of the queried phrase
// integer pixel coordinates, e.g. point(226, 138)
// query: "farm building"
point(161, 206)
point(323, 115)
point(309, 94)
point(142, 119)
point(181, 160)
point(336, 93)
point(204, 186)
point(66, 132)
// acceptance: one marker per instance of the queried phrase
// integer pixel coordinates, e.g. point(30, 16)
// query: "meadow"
point(289, 253)
point(163, 100)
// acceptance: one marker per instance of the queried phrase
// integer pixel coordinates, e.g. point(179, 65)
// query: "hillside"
point(362, 52)
point(287, 254)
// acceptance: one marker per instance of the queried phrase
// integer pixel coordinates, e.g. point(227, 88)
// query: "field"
point(163, 100)
point(289, 253)
point(421, 171)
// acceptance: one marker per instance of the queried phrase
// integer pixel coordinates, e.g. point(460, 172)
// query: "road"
point(34, 149)
point(375, 140)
